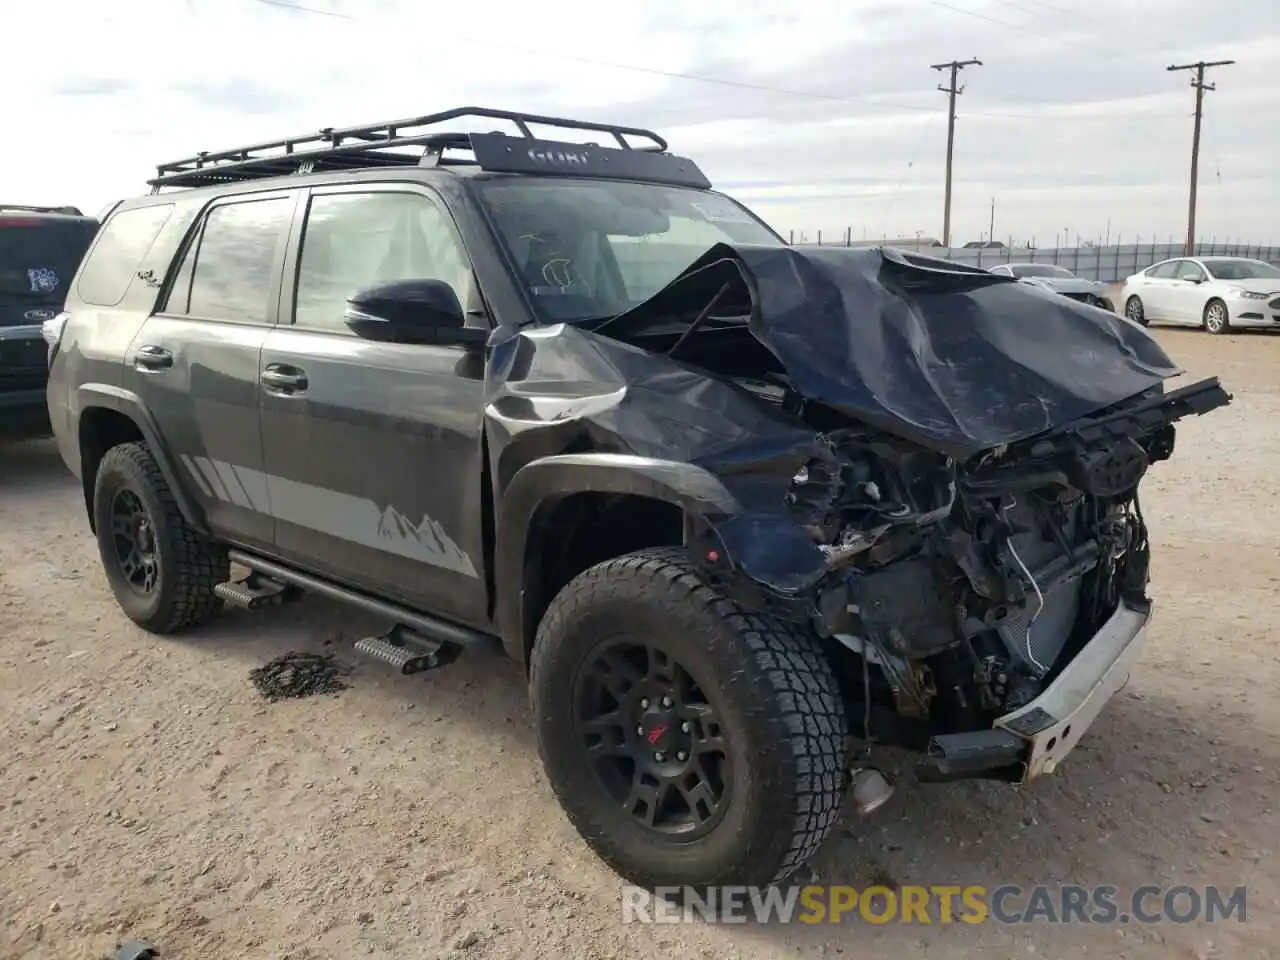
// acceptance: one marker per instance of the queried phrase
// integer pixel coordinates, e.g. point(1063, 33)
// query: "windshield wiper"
point(700, 319)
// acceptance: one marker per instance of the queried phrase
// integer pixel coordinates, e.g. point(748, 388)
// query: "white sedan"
point(1216, 293)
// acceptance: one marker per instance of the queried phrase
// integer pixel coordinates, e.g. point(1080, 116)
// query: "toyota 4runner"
point(739, 508)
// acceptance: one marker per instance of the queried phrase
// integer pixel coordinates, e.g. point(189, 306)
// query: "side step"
point(418, 642)
point(407, 651)
point(254, 592)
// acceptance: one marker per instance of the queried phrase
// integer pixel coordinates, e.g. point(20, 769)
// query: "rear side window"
point(124, 241)
point(1165, 271)
point(229, 272)
point(39, 257)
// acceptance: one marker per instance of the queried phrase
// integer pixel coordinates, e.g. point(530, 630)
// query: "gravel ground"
point(149, 789)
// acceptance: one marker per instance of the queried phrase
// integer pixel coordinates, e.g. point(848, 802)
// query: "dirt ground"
point(146, 789)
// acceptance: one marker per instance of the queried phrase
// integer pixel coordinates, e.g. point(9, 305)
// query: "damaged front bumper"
point(1034, 739)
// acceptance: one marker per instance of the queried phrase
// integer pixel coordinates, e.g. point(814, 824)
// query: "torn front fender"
point(569, 411)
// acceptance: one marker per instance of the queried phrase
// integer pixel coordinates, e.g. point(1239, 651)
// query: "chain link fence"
point(1110, 264)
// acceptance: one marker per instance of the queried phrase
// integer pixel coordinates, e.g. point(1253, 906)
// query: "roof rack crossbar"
point(334, 143)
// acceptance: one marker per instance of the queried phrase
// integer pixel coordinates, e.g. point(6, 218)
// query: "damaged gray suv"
point(738, 508)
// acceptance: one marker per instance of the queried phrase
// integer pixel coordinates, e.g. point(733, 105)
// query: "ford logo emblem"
point(38, 315)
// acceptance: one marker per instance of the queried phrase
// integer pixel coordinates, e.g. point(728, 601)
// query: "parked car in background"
point(40, 249)
point(1216, 293)
point(1059, 280)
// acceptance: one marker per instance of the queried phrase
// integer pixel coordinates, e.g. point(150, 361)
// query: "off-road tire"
point(778, 697)
point(1135, 311)
point(1217, 328)
point(189, 564)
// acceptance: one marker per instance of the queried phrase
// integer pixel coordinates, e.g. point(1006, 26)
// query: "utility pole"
point(952, 90)
point(991, 234)
point(1200, 87)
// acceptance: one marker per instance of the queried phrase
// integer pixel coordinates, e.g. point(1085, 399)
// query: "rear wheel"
point(1134, 310)
point(690, 742)
point(161, 571)
point(1216, 318)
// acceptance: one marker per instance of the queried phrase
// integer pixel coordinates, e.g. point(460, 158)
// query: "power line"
point(1005, 23)
point(725, 81)
point(284, 5)
point(1049, 6)
point(1201, 87)
point(952, 90)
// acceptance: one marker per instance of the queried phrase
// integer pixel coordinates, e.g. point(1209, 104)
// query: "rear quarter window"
point(114, 259)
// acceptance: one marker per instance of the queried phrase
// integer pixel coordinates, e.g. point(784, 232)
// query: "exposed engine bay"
point(971, 493)
point(961, 588)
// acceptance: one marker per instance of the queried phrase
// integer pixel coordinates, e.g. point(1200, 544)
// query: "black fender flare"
point(110, 397)
point(693, 489)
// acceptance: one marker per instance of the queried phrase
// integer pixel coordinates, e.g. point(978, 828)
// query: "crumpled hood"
point(951, 357)
point(1067, 284)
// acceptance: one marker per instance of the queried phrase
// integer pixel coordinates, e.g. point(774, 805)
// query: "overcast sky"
point(824, 118)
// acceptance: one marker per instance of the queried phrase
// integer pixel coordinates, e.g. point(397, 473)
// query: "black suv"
point(40, 249)
point(739, 508)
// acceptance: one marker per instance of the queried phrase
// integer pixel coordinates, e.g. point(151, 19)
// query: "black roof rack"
point(377, 145)
point(27, 208)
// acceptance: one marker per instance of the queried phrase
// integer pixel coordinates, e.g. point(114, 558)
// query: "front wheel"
point(690, 742)
point(1216, 318)
point(1133, 309)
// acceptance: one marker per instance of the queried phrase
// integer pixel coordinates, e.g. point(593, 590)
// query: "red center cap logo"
point(656, 733)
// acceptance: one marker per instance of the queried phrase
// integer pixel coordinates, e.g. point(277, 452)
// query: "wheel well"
point(578, 531)
point(100, 430)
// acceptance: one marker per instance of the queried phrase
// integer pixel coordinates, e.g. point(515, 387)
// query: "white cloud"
point(829, 117)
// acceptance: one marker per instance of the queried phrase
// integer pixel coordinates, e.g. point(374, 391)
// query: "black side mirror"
point(411, 311)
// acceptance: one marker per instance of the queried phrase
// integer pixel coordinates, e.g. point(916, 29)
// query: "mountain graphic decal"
point(426, 541)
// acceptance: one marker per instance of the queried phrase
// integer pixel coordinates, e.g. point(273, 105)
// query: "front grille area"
point(1050, 631)
point(1052, 627)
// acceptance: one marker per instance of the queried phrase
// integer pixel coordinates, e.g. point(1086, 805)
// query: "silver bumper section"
point(1053, 723)
point(1031, 741)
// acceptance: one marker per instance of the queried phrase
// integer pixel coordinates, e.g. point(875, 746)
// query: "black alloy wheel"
point(161, 570)
point(653, 738)
point(689, 740)
point(134, 539)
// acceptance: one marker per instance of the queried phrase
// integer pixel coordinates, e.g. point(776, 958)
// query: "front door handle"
point(151, 357)
point(279, 378)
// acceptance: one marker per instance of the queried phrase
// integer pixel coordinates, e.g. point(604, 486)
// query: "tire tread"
point(805, 708)
point(198, 563)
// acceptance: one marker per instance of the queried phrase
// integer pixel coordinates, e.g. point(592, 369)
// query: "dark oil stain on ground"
point(293, 676)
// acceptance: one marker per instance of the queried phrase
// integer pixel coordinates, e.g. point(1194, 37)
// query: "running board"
point(407, 651)
point(420, 626)
point(255, 592)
